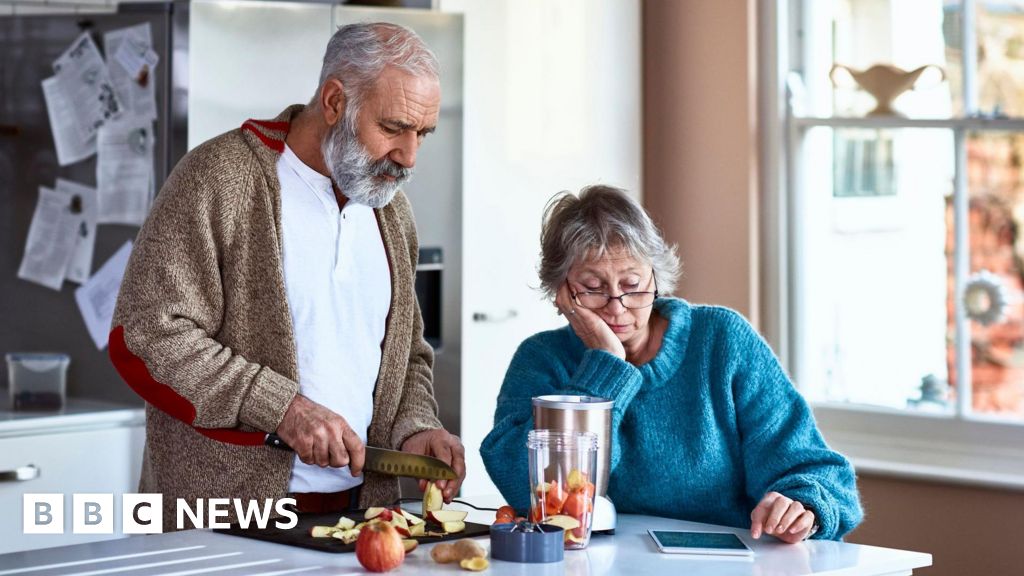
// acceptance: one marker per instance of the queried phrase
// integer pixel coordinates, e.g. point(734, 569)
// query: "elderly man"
point(272, 290)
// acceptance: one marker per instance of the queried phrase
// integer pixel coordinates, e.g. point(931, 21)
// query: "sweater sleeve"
point(539, 367)
point(783, 451)
point(171, 304)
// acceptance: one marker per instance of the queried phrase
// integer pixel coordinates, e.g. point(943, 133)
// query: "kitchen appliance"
point(584, 414)
point(391, 462)
point(563, 467)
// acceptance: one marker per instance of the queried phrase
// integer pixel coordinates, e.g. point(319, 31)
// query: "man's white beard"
point(356, 174)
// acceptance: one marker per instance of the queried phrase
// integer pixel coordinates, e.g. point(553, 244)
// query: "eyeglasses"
point(631, 300)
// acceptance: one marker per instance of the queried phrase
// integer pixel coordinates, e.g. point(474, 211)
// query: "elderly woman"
point(706, 426)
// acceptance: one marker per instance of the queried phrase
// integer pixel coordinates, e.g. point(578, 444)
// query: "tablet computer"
point(710, 543)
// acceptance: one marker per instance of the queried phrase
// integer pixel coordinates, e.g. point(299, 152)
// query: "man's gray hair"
point(358, 53)
point(585, 227)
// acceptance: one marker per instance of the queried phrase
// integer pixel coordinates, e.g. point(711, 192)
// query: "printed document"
point(51, 239)
point(132, 62)
point(124, 171)
point(71, 145)
point(83, 76)
point(83, 202)
point(97, 297)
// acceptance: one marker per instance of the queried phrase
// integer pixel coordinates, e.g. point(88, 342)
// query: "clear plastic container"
point(563, 472)
point(37, 380)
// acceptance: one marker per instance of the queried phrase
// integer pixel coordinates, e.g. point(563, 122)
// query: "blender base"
point(604, 516)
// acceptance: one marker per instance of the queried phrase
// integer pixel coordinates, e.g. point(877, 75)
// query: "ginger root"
point(464, 549)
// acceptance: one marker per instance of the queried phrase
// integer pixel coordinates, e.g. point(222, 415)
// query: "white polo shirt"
point(338, 282)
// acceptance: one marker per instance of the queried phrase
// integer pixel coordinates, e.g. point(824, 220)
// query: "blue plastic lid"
point(538, 543)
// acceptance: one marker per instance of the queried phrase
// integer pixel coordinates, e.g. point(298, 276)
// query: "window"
point(903, 236)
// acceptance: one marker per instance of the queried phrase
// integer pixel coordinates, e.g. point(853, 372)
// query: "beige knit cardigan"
point(203, 333)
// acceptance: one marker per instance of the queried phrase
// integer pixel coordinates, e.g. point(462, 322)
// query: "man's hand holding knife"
point(322, 437)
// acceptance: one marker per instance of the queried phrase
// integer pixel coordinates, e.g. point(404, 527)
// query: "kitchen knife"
point(391, 462)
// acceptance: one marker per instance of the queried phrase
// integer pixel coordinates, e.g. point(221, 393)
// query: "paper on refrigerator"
point(97, 298)
point(124, 170)
point(84, 202)
point(132, 62)
point(51, 239)
point(83, 77)
point(71, 145)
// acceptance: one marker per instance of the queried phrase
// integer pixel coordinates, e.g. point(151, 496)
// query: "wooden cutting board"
point(299, 535)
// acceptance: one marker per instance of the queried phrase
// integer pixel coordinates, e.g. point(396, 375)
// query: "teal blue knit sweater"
point(701, 432)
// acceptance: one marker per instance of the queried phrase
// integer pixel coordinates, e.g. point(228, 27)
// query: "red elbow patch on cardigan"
point(134, 372)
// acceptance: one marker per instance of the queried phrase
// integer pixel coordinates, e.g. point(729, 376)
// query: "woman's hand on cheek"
point(591, 329)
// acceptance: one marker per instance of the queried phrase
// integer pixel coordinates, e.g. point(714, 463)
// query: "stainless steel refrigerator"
point(33, 318)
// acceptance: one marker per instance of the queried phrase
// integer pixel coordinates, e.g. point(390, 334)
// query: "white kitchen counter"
point(77, 414)
point(629, 551)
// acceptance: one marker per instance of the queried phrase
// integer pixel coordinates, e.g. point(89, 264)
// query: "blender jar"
point(563, 471)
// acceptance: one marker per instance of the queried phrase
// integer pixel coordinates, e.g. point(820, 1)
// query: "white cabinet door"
point(251, 60)
point(101, 461)
point(552, 102)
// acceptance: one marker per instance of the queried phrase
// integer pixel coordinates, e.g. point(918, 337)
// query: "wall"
point(699, 169)
point(700, 144)
point(967, 530)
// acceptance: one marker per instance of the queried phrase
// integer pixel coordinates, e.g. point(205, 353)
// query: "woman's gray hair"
point(358, 53)
point(581, 228)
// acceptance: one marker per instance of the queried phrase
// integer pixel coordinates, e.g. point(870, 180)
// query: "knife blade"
point(391, 462)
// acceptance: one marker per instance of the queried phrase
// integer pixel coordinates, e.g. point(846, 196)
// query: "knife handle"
point(274, 441)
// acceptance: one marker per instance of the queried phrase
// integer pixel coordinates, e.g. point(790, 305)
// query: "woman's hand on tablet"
point(782, 517)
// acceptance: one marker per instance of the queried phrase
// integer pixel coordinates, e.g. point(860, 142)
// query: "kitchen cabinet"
point(552, 103)
point(89, 447)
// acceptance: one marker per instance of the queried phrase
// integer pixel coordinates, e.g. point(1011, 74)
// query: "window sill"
point(932, 447)
point(977, 123)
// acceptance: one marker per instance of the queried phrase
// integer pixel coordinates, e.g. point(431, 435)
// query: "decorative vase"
point(884, 82)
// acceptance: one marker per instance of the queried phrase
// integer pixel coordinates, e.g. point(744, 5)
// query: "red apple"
point(379, 547)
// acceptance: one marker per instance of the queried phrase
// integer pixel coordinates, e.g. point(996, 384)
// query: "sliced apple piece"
point(345, 523)
point(453, 527)
point(432, 498)
point(347, 536)
point(476, 564)
point(562, 521)
point(576, 480)
point(323, 531)
point(409, 545)
point(399, 520)
point(417, 529)
point(570, 536)
point(411, 518)
point(442, 516)
point(372, 512)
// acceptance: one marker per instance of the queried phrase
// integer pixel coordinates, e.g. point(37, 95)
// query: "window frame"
point(962, 447)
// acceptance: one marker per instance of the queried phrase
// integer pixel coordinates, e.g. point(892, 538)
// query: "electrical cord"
point(474, 507)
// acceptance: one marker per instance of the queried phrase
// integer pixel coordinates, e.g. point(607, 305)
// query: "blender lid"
point(573, 402)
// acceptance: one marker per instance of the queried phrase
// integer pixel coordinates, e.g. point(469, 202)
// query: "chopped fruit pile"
point(435, 522)
point(569, 507)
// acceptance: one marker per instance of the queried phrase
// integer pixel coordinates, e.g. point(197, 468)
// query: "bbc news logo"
point(143, 513)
